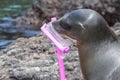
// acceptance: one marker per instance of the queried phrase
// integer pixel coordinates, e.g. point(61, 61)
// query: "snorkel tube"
point(62, 45)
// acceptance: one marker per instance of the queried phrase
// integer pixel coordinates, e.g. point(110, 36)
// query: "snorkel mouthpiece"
point(55, 38)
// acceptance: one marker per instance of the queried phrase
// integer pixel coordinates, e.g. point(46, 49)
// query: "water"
point(12, 8)
point(9, 10)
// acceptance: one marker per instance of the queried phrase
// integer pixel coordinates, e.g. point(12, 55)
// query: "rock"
point(42, 10)
point(110, 9)
point(116, 28)
point(35, 58)
point(116, 25)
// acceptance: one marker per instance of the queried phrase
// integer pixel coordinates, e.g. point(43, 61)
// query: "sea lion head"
point(85, 24)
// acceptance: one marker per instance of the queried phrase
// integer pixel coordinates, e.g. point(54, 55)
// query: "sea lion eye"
point(65, 25)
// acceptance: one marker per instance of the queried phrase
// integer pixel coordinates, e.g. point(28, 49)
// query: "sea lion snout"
point(66, 25)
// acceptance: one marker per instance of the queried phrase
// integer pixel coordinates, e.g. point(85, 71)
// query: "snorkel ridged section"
point(55, 38)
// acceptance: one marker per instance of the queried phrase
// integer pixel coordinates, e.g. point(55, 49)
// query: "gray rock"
point(42, 10)
point(34, 58)
point(116, 28)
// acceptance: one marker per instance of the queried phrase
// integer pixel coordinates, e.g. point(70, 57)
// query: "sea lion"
point(98, 45)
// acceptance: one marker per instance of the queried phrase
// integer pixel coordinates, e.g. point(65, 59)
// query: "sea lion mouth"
point(64, 29)
point(56, 25)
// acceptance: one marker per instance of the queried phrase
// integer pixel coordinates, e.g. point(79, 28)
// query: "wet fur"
point(99, 47)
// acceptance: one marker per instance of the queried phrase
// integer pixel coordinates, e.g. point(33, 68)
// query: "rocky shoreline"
point(34, 58)
point(42, 10)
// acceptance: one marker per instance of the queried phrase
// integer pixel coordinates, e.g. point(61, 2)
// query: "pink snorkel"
point(62, 45)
